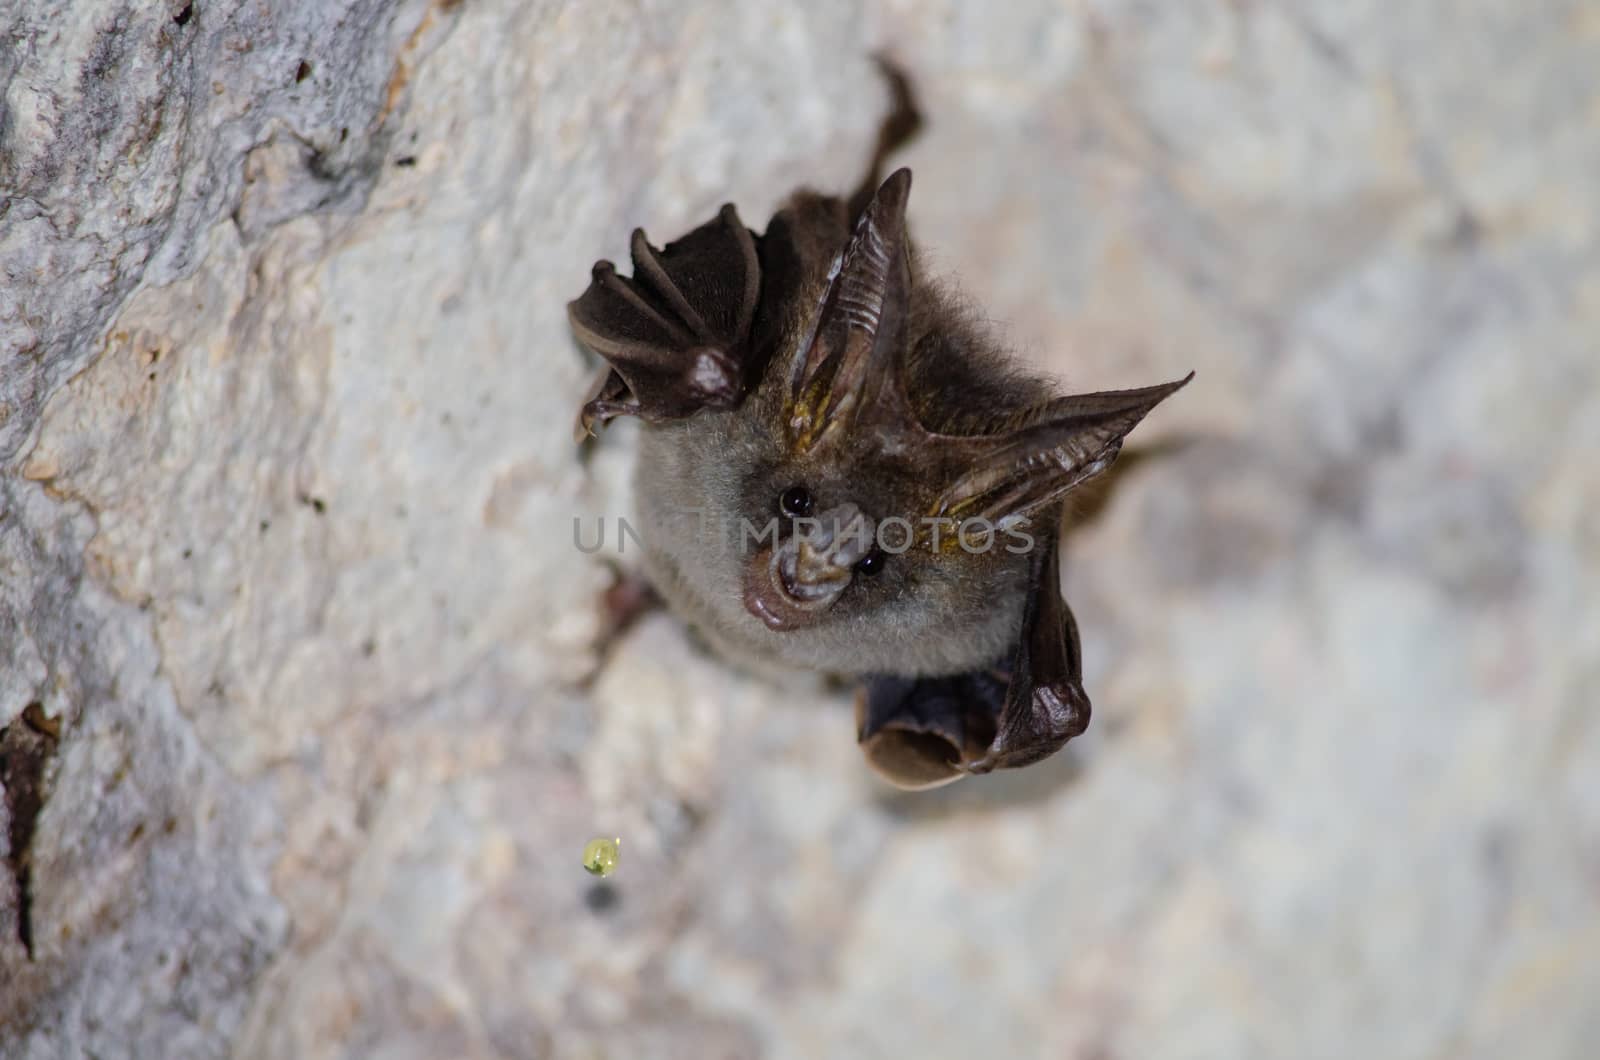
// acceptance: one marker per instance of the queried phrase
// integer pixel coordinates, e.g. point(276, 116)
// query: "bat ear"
point(853, 350)
point(1006, 476)
point(677, 335)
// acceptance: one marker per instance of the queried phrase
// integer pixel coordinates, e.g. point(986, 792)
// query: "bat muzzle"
point(793, 584)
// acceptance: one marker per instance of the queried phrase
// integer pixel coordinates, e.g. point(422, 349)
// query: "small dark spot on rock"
point(187, 553)
point(406, 161)
point(318, 506)
point(344, 134)
point(265, 526)
point(152, 377)
point(137, 833)
point(184, 15)
point(369, 648)
point(25, 754)
point(319, 165)
point(302, 71)
point(169, 826)
point(35, 718)
point(602, 898)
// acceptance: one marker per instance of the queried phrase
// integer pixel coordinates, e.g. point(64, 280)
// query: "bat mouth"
point(784, 602)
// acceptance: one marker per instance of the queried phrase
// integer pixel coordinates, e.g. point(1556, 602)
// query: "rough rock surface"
point(296, 644)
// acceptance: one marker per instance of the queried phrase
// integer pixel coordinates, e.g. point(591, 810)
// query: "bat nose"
point(791, 586)
point(816, 562)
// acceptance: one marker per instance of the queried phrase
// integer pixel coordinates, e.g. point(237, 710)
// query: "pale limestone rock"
point(286, 537)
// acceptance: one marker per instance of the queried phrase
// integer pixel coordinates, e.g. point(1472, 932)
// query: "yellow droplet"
point(600, 855)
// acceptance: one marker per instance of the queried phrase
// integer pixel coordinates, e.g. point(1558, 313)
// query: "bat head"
point(871, 494)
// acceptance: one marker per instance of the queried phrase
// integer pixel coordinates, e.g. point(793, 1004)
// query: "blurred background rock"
point(286, 553)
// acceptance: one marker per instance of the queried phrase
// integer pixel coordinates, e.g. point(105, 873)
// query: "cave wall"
point(298, 656)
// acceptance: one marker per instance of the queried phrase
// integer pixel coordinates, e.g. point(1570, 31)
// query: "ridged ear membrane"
point(853, 349)
point(1004, 477)
point(676, 335)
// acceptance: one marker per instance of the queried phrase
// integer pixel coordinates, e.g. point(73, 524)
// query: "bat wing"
point(923, 732)
point(677, 334)
point(917, 732)
point(1045, 704)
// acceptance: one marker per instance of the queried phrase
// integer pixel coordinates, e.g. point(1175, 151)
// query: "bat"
point(840, 471)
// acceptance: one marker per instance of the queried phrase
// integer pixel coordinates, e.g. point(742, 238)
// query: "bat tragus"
point(897, 482)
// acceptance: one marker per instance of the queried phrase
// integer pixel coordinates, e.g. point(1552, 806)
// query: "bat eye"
point(871, 563)
point(797, 501)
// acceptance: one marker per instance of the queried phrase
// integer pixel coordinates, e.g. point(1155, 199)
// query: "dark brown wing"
point(690, 329)
point(677, 335)
point(800, 242)
point(916, 731)
point(923, 732)
point(1045, 705)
